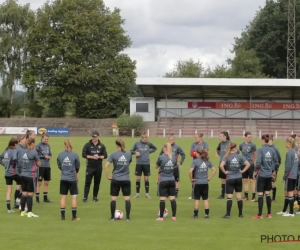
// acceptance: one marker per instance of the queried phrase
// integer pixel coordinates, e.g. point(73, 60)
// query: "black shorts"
point(116, 186)
point(9, 179)
point(298, 183)
point(264, 184)
point(166, 188)
point(289, 185)
point(234, 185)
point(201, 191)
point(274, 179)
point(249, 173)
point(221, 174)
point(66, 186)
point(44, 174)
point(176, 174)
point(28, 184)
point(142, 169)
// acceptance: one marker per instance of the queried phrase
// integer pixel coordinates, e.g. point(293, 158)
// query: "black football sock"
point(112, 209)
point(269, 203)
point(147, 186)
point(223, 190)
point(174, 207)
point(74, 212)
point(240, 206)
point(299, 201)
point(253, 196)
point(138, 186)
point(23, 202)
point(17, 194)
point(286, 203)
point(260, 204)
point(295, 198)
point(274, 189)
point(127, 208)
point(8, 204)
point(162, 206)
point(176, 192)
point(246, 194)
point(45, 196)
point(291, 201)
point(206, 211)
point(29, 203)
point(195, 212)
point(37, 197)
point(229, 205)
point(63, 212)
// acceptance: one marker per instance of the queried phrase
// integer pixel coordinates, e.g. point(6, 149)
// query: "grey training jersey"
point(43, 150)
point(176, 150)
point(20, 149)
point(29, 159)
point(69, 164)
point(278, 156)
point(145, 149)
point(247, 150)
point(121, 161)
point(291, 165)
point(234, 163)
point(222, 148)
point(265, 161)
point(166, 167)
point(8, 159)
point(197, 145)
point(201, 170)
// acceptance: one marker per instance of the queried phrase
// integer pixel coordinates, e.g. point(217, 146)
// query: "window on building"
point(142, 107)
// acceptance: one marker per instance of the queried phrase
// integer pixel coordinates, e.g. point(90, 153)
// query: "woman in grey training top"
point(120, 179)
point(234, 163)
point(199, 175)
point(68, 162)
point(166, 164)
point(290, 176)
point(30, 162)
point(8, 159)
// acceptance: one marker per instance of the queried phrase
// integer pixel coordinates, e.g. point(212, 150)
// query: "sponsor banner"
point(2, 130)
point(18, 130)
point(53, 131)
point(245, 105)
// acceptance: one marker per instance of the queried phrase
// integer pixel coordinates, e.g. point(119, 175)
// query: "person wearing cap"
point(94, 152)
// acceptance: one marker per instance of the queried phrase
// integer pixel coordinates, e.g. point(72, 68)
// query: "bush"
point(126, 123)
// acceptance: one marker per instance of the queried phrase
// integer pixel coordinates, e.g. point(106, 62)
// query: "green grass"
point(94, 231)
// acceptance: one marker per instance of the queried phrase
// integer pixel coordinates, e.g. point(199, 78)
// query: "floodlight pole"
point(291, 47)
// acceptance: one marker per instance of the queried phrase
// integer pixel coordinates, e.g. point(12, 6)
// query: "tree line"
point(69, 57)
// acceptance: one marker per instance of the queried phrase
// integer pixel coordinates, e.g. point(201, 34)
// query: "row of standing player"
point(140, 151)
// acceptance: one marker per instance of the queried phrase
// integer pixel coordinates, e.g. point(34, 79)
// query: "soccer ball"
point(118, 215)
point(25, 210)
point(165, 213)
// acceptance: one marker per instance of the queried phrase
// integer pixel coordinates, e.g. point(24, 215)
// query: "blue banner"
point(53, 131)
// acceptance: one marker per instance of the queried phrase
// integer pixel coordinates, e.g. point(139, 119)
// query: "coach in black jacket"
point(94, 152)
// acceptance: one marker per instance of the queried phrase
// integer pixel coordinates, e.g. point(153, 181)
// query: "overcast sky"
point(164, 31)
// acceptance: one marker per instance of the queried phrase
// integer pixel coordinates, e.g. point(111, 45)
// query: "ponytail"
point(203, 154)
point(291, 140)
point(120, 143)
point(29, 133)
point(12, 143)
point(68, 145)
point(267, 137)
point(169, 150)
point(229, 147)
point(29, 142)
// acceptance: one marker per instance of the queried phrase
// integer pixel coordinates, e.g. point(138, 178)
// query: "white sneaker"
point(148, 196)
point(136, 196)
point(281, 212)
point(298, 212)
point(288, 215)
point(32, 215)
point(190, 198)
point(18, 200)
point(10, 211)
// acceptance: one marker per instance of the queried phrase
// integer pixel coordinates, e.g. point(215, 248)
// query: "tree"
point(186, 69)
point(267, 35)
point(14, 23)
point(76, 55)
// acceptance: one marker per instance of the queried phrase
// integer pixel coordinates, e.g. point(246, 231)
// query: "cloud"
point(165, 31)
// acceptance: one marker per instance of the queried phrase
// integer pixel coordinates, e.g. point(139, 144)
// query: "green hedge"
point(126, 123)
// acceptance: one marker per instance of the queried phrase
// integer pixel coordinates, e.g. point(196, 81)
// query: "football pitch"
point(94, 231)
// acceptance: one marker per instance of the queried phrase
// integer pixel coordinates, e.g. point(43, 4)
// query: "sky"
point(165, 31)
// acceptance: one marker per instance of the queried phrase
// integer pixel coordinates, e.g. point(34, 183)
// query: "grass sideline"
point(94, 231)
